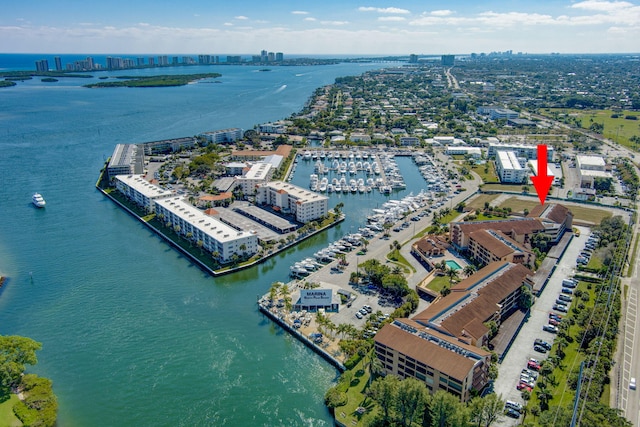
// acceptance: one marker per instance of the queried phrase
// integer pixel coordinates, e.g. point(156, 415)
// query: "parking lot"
point(522, 348)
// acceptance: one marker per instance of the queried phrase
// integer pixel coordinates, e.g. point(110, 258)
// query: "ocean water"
point(132, 332)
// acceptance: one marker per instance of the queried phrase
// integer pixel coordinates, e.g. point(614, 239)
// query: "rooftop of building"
point(475, 299)
point(434, 349)
point(139, 184)
point(516, 225)
point(497, 243)
point(584, 159)
point(209, 225)
point(551, 211)
point(302, 194)
point(508, 160)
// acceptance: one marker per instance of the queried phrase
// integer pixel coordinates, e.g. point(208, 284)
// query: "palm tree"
point(469, 269)
point(452, 274)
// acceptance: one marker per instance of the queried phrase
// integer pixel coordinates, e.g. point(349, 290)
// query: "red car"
point(553, 322)
point(533, 365)
point(554, 315)
point(524, 386)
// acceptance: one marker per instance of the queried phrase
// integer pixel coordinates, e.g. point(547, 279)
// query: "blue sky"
point(319, 27)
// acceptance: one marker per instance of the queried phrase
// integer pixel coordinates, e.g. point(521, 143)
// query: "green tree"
point(443, 409)
point(15, 353)
point(411, 400)
point(385, 392)
point(40, 405)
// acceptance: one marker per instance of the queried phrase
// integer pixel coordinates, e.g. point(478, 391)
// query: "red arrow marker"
point(542, 182)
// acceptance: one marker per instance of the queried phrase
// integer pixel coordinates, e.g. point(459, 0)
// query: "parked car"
point(542, 343)
point(524, 386)
point(358, 315)
point(561, 308)
point(533, 374)
point(632, 384)
point(560, 301)
point(512, 413)
point(556, 316)
point(565, 298)
point(533, 365)
point(567, 291)
point(550, 328)
point(539, 348)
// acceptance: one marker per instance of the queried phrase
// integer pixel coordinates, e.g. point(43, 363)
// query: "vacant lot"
point(581, 214)
point(619, 129)
point(479, 201)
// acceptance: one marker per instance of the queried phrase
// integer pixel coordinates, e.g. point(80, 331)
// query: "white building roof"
point(303, 195)
point(533, 164)
point(585, 160)
point(258, 171)
point(508, 160)
point(194, 216)
point(139, 184)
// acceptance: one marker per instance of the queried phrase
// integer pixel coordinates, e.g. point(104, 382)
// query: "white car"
point(632, 384)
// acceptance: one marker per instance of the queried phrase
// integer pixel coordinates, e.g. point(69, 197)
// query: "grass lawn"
point(438, 283)
point(483, 217)
point(479, 201)
point(487, 172)
point(518, 205)
point(617, 129)
point(355, 394)
point(590, 215)
point(507, 188)
point(595, 263)
point(7, 417)
point(397, 258)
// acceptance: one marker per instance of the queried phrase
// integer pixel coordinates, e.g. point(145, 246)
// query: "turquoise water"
point(452, 264)
point(132, 332)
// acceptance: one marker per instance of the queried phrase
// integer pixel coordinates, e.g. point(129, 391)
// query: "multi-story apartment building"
point(409, 350)
point(303, 205)
point(529, 152)
point(216, 236)
point(126, 159)
point(487, 246)
point(509, 167)
point(442, 345)
point(521, 230)
point(140, 191)
point(223, 136)
point(258, 174)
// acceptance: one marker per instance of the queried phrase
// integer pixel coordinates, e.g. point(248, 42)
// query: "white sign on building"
point(317, 297)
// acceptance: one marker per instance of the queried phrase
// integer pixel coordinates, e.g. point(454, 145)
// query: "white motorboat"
point(38, 200)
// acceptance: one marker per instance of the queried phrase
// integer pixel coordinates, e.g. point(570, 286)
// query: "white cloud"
point(143, 24)
point(391, 18)
point(241, 17)
point(383, 10)
point(601, 6)
point(228, 24)
point(441, 13)
point(300, 12)
point(310, 19)
point(334, 22)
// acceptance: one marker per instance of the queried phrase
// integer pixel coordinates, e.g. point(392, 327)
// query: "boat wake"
point(281, 88)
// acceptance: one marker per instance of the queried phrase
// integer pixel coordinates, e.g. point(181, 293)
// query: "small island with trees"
point(155, 81)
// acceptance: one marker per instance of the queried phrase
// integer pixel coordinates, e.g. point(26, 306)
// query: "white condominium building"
point(303, 204)
point(258, 174)
point(528, 151)
point(222, 136)
point(215, 235)
point(140, 191)
point(509, 168)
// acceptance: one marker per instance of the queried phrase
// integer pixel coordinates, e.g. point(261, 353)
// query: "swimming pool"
point(452, 264)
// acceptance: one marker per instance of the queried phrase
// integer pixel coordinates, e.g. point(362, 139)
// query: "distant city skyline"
point(328, 27)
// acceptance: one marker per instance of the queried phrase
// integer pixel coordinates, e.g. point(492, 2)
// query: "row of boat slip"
point(432, 174)
point(391, 171)
point(394, 210)
point(326, 255)
point(322, 154)
point(353, 167)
